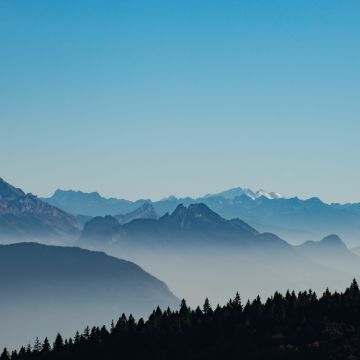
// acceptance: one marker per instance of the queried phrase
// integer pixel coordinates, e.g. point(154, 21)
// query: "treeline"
point(290, 326)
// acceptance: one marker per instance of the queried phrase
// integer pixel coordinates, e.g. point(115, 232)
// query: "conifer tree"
point(5, 355)
point(86, 334)
point(58, 343)
point(354, 288)
point(184, 310)
point(45, 346)
point(37, 345)
point(207, 307)
point(77, 338)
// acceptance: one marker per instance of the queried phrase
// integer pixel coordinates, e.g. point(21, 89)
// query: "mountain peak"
point(145, 211)
point(8, 191)
point(31, 217)
point(61, 193)
point(180, 209)
point(332, 240)
point(194, 215)
point(239, 191)
point(328, 242)
point(194, 209)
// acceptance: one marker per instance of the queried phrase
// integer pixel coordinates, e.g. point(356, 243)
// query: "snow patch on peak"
point(268, 195)
point(238, 191)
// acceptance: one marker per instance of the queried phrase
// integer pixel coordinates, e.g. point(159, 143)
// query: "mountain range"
point(91, 204)
point(26, 216)
point(202, 252)
point(195, 245)
point(191, 226)
point(197, 226)
point(293, 219)
point(68, 286)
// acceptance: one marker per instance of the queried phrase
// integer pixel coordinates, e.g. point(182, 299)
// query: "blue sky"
point(150, 98)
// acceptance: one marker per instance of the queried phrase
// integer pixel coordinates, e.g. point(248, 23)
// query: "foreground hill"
point(24, 216)
point(292, 218)
point(45, 289)
point(290, 326)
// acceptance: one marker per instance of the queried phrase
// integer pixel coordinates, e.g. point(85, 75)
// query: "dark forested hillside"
point(290, 326)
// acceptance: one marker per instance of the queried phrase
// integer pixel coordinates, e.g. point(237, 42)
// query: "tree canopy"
point(290, 326)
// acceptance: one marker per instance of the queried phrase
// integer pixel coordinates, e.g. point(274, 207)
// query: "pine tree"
point(45, 346)
point(207, 307)
point(354, 288)
point(86, 333)
point(5, 355)
point(121, 324)
point(184, 310)
point(237, 302)
point(77, 338)
point(58, 343)
point(22, 352)
point(37, 346)
point(131, 323)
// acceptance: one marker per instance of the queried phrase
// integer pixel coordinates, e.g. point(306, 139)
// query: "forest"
point(285, 326)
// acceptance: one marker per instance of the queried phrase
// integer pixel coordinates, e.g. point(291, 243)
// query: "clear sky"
point(151, 98)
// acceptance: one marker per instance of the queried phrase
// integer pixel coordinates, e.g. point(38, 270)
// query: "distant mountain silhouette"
point(72, 285)
point(291, 218)
point(91, 204)
point(26, 216)
point(195, 243)
point(190, 226)
point(331, 251)
point(145, 211)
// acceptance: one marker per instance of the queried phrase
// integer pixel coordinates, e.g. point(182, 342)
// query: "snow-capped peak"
point(269, 195)
point(235, 192)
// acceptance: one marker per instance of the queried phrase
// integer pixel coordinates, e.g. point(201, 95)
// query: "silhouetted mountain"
point(213, 252)
point(9, 192)
point(26, 216)
point(91, 204)
point(195, 225)
point(291, 218)
point(41, 283)
point(331, 251)
point(145, 211)
point(83, 219)
point(101, 227)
